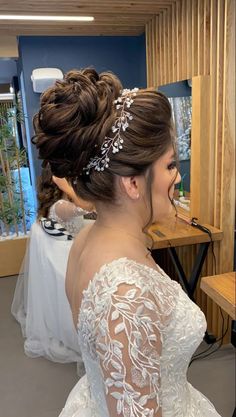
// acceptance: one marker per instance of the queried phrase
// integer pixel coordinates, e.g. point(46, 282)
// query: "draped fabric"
point(40, 304)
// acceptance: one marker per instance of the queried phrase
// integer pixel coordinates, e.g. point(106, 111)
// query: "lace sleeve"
point(129, 346)
point(64, 210)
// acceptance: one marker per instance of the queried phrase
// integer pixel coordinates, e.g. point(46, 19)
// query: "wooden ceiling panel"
point(112, 17)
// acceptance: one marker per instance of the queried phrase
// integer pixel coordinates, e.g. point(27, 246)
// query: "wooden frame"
point(12, 252)
point(200, 178)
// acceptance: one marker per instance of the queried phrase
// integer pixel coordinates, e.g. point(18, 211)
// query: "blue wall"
point(124, 55)
point(7, 70)
point(179, 89)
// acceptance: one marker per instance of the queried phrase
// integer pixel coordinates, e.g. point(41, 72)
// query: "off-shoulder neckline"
point(110, 264)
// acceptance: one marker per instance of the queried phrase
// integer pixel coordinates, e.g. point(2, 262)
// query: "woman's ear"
point(131, 185)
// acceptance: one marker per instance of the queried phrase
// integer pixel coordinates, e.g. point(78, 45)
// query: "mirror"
point(180, 97)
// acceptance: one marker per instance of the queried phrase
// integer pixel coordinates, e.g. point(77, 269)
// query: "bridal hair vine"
point(114, 144)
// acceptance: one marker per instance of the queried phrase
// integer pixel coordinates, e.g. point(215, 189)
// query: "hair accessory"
point(114, 144)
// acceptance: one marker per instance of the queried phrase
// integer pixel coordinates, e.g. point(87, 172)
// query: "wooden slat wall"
point(192, 38)
point(8, 47)
point(112, 17)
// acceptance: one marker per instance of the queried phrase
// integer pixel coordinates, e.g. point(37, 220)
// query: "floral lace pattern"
point(137, 332)
point(72, 219)
point(79, 405)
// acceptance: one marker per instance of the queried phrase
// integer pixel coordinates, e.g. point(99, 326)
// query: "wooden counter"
point(222, 289)
point(176, 232)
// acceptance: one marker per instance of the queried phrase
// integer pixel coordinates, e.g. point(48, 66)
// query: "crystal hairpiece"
point(114, 144)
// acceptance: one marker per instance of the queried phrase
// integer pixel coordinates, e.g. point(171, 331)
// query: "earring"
point(137, 196)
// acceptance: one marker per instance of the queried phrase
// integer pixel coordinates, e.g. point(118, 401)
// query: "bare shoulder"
point(76, 249)
point(81, 238)
point(89, 252)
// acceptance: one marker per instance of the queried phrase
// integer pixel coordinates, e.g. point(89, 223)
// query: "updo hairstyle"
point(76, 115)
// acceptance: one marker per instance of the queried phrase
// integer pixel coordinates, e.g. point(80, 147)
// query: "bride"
point(40, 304)
point(137, 329)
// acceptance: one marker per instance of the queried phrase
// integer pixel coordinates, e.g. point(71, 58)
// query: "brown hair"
point(76, 115)
point(47, 192)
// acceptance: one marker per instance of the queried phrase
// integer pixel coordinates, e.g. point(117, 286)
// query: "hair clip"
point(114, 144)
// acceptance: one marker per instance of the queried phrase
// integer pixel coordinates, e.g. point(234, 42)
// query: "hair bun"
point(74, 117)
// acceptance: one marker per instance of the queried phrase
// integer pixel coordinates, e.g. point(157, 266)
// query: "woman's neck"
point(123, 224)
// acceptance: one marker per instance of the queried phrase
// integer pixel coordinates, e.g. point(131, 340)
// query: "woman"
point(57, 201)
point(133, 322)
point(40, 304)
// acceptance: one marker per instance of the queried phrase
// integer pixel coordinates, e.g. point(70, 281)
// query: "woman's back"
point(92, 249)
point(137, 331)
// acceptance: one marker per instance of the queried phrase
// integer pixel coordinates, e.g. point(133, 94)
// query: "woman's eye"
point(172, 165)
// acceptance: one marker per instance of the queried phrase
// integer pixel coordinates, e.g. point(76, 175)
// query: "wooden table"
point(222, 290)
point(174, 232)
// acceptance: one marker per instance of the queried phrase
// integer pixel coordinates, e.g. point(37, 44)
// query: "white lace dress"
point(137, 330)
point(40, 304)
point(68, 215)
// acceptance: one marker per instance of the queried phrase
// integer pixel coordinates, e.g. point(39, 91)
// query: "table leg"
point(191, 283)
point(179, 270)
point(198, 264)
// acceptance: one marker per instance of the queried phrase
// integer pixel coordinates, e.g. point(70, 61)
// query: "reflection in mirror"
point(180, 97)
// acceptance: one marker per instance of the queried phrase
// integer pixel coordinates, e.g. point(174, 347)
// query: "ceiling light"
point(48, 18)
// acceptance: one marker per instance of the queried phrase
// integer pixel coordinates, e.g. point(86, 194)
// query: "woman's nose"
point(178, 178)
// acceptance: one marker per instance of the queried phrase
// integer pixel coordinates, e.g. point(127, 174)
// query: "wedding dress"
point(40, 304)
point(137, 330)
point(68, 215)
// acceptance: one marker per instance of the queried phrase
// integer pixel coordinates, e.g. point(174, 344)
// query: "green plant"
point(12, 212)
